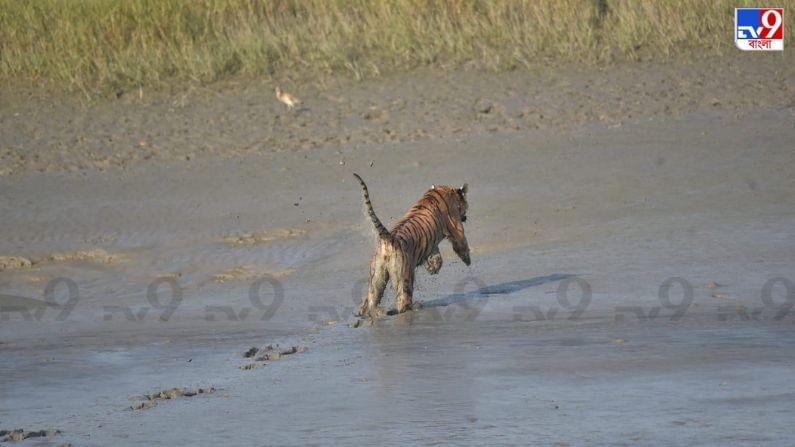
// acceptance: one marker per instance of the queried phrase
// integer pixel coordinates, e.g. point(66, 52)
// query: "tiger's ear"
point(463, 189)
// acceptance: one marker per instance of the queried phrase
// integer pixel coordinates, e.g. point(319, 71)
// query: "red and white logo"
point(759, 29)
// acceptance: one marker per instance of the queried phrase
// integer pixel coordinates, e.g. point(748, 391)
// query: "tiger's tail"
point(379, 227)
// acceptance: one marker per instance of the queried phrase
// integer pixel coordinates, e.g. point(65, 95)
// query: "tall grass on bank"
point(119, 43)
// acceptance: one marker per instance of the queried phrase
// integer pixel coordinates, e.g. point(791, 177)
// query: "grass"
point(88, 44)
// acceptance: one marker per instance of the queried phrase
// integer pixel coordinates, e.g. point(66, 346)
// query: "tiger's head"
point(464, 206)
point(458, 207)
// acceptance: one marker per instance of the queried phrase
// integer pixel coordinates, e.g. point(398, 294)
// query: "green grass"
point(87, 44)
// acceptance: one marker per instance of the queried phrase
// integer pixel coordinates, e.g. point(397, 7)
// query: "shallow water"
point(584, 319)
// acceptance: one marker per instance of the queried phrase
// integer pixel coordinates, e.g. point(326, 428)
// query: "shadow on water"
point(504, 288)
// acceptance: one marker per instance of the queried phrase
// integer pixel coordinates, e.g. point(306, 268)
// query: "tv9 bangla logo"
point(759, 29)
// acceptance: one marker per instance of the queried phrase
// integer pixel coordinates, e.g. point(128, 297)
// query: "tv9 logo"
point(759, 29)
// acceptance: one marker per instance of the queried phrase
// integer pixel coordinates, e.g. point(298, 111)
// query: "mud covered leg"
point(375, 290)
point(404, 289)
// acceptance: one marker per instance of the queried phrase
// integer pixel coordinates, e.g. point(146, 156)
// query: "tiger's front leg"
point(434, 262)
point(460, 244)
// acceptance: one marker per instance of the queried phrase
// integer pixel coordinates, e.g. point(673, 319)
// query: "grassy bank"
point(86, 44)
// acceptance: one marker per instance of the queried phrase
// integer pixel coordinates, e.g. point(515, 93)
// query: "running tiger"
point(414, 240)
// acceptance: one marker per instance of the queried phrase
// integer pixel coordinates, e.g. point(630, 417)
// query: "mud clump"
point(151, 400)
point(263, 236)
point(248, 272)
point(14, 263)
point(20, 435)
point(98, 256)
point(272, 352)
point(250, 366)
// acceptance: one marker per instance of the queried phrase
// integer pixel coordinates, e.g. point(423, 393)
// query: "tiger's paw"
point(434, 263)
point(404, 309)
point(374, 313)
point(404, 306)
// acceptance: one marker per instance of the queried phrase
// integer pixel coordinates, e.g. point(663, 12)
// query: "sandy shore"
point(43, 130)
point(632, 242)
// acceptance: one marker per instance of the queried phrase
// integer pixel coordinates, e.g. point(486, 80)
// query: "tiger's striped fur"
point(414, 240)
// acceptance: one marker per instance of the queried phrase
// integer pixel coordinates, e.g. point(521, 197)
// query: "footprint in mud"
point(143, 405)
point(272, 352)
point(20, 435)
point(151, 400)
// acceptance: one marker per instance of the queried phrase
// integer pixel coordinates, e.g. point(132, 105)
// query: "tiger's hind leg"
point(434, 262)
point(403, 281)
point(379, 276)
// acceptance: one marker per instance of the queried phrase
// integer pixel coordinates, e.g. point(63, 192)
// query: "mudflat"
point(181, 267)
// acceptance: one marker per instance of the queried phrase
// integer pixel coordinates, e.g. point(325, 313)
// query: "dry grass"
point(86, 44)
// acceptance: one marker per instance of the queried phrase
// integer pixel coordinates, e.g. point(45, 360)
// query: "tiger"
point(414, 240)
